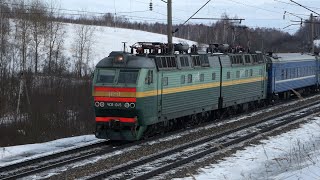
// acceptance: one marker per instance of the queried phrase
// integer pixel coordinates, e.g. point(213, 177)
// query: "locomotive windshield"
point(118, 76)
point(106, 76)
point(128, 76)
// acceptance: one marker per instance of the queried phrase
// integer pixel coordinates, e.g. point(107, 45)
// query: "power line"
point(305, 7)
point(256, 7)
point(294, 4)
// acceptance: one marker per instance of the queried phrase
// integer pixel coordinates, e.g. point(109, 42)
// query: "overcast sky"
point(257, 13)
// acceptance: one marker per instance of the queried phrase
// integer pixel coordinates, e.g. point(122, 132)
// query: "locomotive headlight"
point(119, 59)
point(96, 104)
point(126, 105)
point(132, 105)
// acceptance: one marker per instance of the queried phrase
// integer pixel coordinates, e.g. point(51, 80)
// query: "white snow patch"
point(293, 155)
point(108, 39)
point(15, 154)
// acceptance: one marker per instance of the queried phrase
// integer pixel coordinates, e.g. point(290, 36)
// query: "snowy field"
point(108, 39)
point(290, 156)
point(293, 155)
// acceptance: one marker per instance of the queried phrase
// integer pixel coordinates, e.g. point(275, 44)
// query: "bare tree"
point(83, 44)
point(22, 33)
point(38, 26)
point(54, 38)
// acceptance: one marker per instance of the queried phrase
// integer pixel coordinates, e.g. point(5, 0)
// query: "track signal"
point(150, 6)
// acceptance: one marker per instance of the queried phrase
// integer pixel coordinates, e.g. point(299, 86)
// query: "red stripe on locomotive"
point(109, 99)
point(121, 119)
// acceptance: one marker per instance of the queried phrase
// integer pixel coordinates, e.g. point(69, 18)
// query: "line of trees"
point(222, 31)
point(44, 94)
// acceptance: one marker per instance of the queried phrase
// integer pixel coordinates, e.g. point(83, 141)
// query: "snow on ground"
point(293, 155)
point(15, 154)
point(108, 39)
point(290, 156)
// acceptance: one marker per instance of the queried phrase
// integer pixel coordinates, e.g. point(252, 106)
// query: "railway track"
point(155, 164)
point(43, 163)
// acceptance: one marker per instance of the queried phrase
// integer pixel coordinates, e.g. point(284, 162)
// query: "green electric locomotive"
point(150, 91)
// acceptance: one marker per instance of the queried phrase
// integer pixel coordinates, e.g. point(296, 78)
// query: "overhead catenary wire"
point(292, 4)
point(305, 7)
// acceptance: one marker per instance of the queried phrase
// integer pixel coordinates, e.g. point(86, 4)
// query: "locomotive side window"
point(228, 75)
point(238, 74)
point(251, 72)
point(183, 79)
point(189, 78)
point(128, 76)
point(165, 81)
point(201, 77)
point(246, 73)
point(213, 76)
point(149, 78)
point(106, 76)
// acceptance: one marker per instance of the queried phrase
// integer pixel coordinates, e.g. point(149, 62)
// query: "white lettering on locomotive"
point(114, 94)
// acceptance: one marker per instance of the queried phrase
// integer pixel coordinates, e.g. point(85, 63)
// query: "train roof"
point(291, 57)
point(129, 61)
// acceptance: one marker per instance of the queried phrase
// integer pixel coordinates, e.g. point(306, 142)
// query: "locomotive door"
point(159, 92)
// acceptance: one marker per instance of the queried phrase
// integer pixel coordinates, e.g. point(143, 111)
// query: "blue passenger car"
point(292, 72)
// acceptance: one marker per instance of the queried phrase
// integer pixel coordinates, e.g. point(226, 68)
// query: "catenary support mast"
point(169, 28)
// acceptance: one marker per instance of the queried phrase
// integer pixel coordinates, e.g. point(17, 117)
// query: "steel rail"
point(236, 140)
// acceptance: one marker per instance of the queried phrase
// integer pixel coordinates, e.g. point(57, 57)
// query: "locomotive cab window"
point(128, 76)
point(106, 76)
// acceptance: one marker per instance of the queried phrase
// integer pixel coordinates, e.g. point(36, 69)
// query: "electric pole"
point(312, 33)
point(169, 27)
